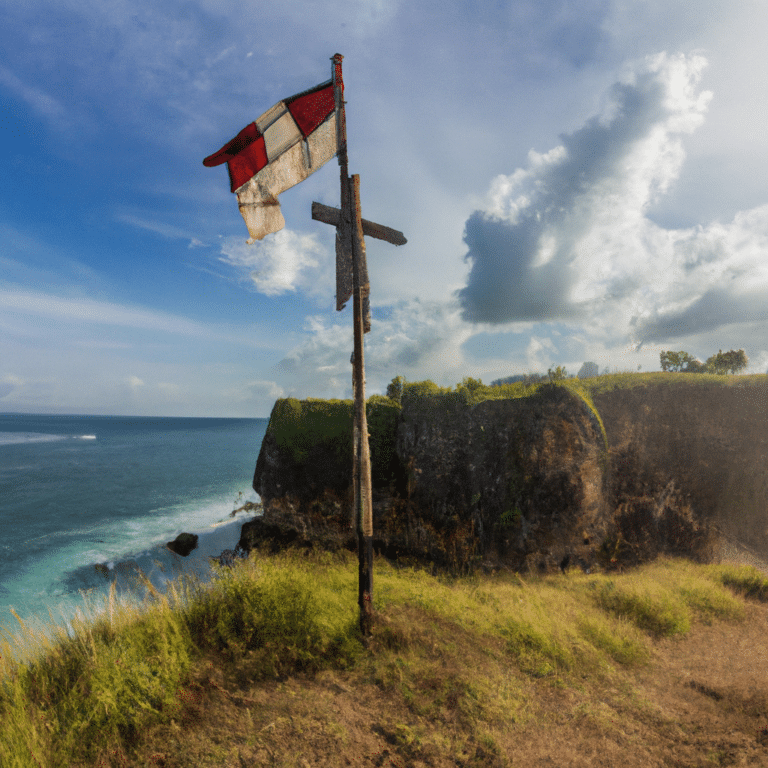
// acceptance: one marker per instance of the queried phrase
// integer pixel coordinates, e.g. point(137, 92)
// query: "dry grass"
point(665, 665)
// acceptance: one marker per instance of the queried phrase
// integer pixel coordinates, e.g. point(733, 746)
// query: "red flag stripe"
point(309, 110)
point(247, 163)
point(247, 136)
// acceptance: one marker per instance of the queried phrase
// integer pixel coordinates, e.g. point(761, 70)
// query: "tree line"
point(722, 363)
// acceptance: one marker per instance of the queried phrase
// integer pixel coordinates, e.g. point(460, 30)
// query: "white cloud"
point(285, 261)
point(416, 339)
point(568, 237)
point(570, 230)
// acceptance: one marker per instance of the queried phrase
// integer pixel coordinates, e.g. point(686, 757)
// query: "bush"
point(649, 607)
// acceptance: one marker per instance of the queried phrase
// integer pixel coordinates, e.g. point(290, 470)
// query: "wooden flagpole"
point(363, 489)
point(350, 251)
point(350, 234)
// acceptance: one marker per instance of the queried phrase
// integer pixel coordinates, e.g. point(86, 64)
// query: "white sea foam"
point(17, 438)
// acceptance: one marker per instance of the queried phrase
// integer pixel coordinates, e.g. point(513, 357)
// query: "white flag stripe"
point(257, 198)
point(280, 136)
point(269, 117)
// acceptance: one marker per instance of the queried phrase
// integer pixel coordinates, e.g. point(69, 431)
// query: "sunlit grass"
point(122, 665)
point(744, 579)
point(122, 668)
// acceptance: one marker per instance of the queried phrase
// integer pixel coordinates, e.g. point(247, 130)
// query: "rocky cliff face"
point(536, 482)
point(700, 448)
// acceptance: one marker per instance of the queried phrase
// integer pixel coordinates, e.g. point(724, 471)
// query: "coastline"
point(87, 586)
point(161, 565)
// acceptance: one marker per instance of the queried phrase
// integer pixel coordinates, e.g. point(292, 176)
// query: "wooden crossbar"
point(332, 216)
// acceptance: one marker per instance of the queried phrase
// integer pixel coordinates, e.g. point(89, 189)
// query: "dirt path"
point(713, 686)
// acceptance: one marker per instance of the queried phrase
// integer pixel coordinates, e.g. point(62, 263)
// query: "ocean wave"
point(19, 438)
point(16, 438)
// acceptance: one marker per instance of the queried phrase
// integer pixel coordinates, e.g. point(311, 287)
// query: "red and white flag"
point(286, 144)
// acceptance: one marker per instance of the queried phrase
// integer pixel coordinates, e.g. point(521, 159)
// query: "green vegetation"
point(720, 364)
point(123, 669)
point(613, 381)
point(456, 662)
point(300, 426)
point(395, 389)
point(313, 425)
point(744, 580)
point(557, 374)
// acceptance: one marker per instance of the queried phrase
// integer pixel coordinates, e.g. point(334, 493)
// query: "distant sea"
point(85, 500)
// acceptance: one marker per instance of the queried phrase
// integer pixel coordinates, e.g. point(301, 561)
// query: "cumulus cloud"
point(569, 230)
point(568, 238)
point(285, 261)
point(722, 279)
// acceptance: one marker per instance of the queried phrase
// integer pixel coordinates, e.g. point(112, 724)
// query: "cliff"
point(614, 469)
point(699, 443)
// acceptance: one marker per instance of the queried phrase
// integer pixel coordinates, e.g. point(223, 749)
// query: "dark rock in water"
point(228, 556)
point(250, 507)
point(183, 544)
point(102, 569)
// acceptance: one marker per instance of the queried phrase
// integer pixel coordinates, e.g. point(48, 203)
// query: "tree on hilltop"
point(557, 374)
point(395, 389)
point(722, 363)
point(727, 362)
point(679, 361)
point(473, 385)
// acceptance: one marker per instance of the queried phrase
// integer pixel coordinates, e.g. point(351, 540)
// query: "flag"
point(286, 144)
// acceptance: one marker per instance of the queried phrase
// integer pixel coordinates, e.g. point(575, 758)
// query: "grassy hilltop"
point(263, 666)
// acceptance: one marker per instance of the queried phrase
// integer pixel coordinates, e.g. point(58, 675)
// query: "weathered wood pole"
point(350, 242)
point(363, 491)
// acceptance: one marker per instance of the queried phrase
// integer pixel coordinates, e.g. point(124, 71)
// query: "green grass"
point(629, 380)
point(744, 580)
point(123, 668)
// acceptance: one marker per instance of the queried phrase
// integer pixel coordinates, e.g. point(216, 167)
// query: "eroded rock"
point(183, 544)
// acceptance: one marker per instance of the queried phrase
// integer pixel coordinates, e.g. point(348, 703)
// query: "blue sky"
point(577, 181)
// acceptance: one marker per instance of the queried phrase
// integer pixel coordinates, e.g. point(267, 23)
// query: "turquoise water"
point(77, 491)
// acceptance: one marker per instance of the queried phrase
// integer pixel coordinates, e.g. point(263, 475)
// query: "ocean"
point(87, 500)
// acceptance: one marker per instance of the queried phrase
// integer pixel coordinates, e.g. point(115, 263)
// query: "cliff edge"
point(613, 470)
